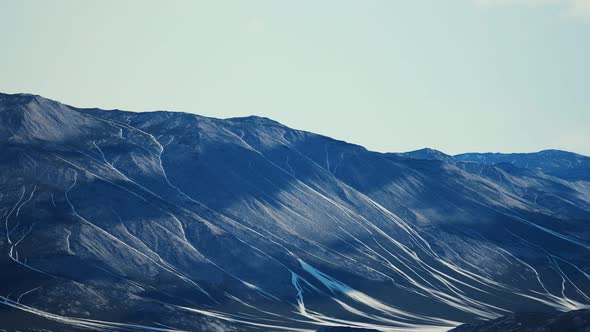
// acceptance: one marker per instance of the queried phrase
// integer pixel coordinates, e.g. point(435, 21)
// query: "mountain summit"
point(165, 221)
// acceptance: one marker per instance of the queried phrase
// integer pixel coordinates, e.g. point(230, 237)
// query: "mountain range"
point(169, 221)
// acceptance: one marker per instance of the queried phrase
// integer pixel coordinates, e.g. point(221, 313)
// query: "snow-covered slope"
point(174, 221)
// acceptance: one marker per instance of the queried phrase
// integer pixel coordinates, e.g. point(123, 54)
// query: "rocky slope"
point(170, 221)
point(573, 321)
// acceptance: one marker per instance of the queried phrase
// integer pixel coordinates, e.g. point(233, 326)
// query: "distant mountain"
point(562, 164)
point(167, 221)
point(573, 321)
point(426, 153)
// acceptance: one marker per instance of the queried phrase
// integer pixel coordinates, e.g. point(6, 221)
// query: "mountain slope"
point(182, 222)
point(573, 321)
point(562, 164)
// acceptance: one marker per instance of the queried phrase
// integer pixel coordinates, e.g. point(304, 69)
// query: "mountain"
point(426, 153)
point(573, 321)
point(168, 221)
point(562, 164)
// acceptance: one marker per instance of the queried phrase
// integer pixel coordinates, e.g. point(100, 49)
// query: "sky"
point(391, 75)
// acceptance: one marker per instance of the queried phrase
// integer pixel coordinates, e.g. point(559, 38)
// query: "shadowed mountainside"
point(573, 321)
point(172, 221)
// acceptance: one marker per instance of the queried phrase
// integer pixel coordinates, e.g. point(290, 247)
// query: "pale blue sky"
point(455, 75)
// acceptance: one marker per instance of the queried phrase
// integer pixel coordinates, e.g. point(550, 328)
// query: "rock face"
point(573, 321)
point(170, 221)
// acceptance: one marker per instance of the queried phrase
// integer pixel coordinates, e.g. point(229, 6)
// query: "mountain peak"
point(259, 120)
point(426, 153)
point(21, 99)
point(28, 117)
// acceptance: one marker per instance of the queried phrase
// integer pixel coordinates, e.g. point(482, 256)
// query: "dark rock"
point(573, 321)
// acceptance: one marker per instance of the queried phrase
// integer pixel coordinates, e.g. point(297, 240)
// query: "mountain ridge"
point(465, 156)
point(562, 164)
